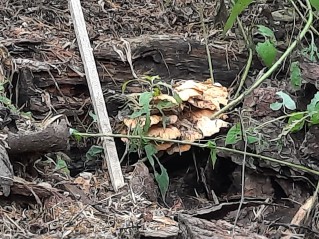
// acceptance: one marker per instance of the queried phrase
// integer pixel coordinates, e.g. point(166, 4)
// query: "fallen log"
point(61, 85)
point(53, 138)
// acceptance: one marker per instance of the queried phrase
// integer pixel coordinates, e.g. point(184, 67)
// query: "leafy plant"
point(313, 109)
point(76, 134)
point(267, 50)
point(240, 5)
point(287, 102)
point(213, 152)
point(315, 4)
point(296, 122)
point(161, 178)
point(94, 152)
point(295, 75)
point(234, 134)
point(61, 165)
point(267, 33)
point(311, 52)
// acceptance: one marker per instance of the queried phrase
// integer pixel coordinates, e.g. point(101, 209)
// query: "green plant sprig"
point(273, 67)
point(296, 166)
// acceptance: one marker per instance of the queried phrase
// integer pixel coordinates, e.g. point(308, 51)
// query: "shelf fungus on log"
point(185, 115)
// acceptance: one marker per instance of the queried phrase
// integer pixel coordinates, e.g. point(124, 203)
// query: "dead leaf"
point(84, 181)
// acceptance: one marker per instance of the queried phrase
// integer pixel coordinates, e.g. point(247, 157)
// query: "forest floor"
point(255, 178)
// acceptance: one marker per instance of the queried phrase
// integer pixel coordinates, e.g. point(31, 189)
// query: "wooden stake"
point(96, 93)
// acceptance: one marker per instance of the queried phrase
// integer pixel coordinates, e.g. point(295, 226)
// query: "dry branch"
point(54, 138)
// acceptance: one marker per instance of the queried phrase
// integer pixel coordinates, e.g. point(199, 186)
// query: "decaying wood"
point(38, 191)
point(192, 227)
point(171, 57)
point(53, 138)
point(163, 232)
point(310, 72)
point(300, 216)
point(6, 172)
point(97, 98)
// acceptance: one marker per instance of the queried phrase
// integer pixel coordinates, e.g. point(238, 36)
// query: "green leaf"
point(296, 122)
point(151, 78)
point(267, 33)
point(311, 52)
point(145, 98)
point(213, 152)
point(165, 104)
point(162, 179)
point(156, 91)
point(61, 166)
point(94, 152)
point(150, 151)
point(239, 6)
point(314, 116)
point(312, 106)
point(315, 4)
point(286, 100)
point(295, 75)
point(138, 113)
point(314, 119)
point(313, 109)
point(276, 106)
point(267, 52)
point(5, 100)
point(234, 134)
point(252, 139)
point(76, 134)
point(177, 98)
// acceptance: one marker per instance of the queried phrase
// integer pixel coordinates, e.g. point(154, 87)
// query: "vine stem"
point(274, 66)
point(250, 57)
point(296, 166)
point(210, 64)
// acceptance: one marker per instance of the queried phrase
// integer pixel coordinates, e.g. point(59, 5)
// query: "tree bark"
point(62, 87)
point(54, 138)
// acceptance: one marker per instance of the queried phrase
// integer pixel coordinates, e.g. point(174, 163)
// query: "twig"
point(302, 16)
point(250, 57)
point(242, 197)
point(296, 166)
point(211, 71)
